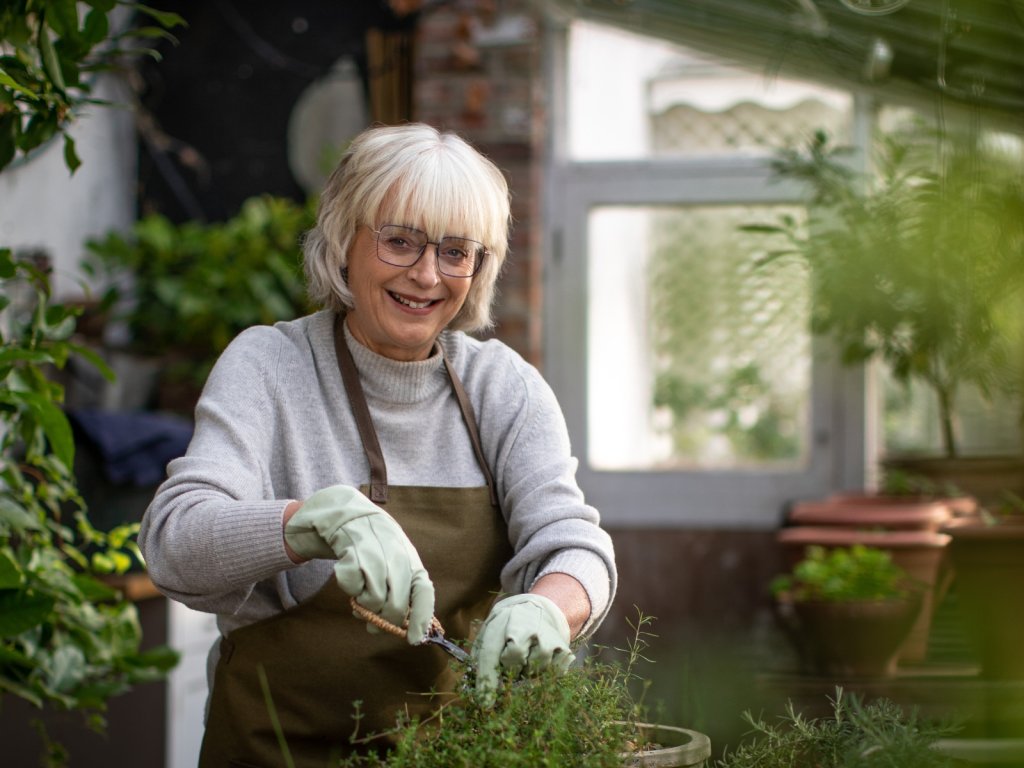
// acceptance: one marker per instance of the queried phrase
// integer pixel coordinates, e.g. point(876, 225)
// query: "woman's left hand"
point(521, 633)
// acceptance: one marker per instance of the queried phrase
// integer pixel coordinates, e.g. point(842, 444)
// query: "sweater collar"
point(397, 381)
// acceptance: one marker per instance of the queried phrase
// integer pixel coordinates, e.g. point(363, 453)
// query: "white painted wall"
point(42, 205)
point(191, 634)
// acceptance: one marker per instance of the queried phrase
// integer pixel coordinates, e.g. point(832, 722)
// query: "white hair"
point(413, 175)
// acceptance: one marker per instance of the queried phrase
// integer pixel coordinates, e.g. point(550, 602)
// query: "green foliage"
point(48, 50)
point(843, 573)
point(857, 735)
point(67, 640)
point(918, 265)
point(184, 291)
point(898, 483)
point(585, 717)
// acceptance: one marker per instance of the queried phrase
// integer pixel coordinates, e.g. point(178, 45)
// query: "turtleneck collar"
point(398, 381)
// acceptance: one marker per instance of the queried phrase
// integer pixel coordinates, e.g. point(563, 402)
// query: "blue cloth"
point(134, 446)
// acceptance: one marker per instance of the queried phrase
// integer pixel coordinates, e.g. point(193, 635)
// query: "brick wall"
point(477, 72)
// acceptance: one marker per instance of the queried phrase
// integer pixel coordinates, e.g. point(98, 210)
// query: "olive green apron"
point(319, 660)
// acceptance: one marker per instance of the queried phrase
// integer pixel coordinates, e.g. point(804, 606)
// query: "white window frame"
point(841, 432)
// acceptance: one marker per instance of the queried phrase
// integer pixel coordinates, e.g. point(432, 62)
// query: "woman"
point(375, 451)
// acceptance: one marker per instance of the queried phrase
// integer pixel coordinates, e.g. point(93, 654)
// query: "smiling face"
point(398, 312)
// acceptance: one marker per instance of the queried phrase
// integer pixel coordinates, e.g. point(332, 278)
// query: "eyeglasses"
point(403, 247)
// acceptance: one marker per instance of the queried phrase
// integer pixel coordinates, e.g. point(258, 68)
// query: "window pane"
point(634, 97)
point(697, 356)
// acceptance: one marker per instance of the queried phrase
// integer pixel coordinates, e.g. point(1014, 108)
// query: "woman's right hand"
point(375, 561)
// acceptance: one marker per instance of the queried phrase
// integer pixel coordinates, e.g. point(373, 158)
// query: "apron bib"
point(319, 660)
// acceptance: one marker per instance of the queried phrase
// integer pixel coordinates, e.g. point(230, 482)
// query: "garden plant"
point(591, 716)
point(876, 734)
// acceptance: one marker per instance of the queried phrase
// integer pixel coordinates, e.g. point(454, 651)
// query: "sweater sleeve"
point(213, 528)
point(551, 527)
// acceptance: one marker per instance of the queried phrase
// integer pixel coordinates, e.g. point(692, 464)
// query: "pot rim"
point(695, 751)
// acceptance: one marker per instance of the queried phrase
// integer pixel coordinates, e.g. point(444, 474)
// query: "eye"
point(399, 243)
point(455, 253)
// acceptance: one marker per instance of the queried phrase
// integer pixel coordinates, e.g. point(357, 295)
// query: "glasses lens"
point(400, 246)
point(459, 257)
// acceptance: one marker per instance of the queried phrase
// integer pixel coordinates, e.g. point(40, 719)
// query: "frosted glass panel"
point(697, 357)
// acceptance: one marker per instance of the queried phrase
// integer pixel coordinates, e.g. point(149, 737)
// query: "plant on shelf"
point(877, 734)
point(843, 574)
point(916, 264)
point(183, 291)
point(68, 641)
point(847, 610)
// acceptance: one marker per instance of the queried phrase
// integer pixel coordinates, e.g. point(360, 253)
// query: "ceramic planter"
point(921, 553)
point(988, 563)
point(676, 747)
point(849, 639)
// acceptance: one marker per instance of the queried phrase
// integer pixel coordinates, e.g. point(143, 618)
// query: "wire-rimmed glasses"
point(403, 246)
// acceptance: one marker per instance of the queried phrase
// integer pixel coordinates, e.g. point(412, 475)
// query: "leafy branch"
point(49, 51)
point(67, 639)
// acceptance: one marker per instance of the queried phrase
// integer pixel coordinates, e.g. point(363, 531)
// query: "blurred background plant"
point(917, 264)
point(181, 292)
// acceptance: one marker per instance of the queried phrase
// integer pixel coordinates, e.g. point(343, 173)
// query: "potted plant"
point(68, 640)
point(918, 266)
point(847, 610)
point(854, 734)
point(588, 717)
point(181, 292)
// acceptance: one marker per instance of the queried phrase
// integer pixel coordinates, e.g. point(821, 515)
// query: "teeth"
point(412, 304)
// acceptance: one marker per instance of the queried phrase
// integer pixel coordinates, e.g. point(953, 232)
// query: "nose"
point(425, 271)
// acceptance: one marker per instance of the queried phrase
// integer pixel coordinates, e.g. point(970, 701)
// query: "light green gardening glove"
point(521, 633)
point(376, 562)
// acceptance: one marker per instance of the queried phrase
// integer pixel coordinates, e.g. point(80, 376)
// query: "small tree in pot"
point(918, 265)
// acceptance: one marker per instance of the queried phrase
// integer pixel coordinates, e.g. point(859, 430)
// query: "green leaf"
point(20, 612)
point(62, 17)
point(165, 18)
point(96, 26)
point(95, 360)
point(65, 668)
point(94, 590)
point(21, 691)
point(8, 137)
point(11, 576)
point(16, 518)
point(50, 62)
point(54, 423)
point(9, 82)
point(41, 126)
point(70, 155)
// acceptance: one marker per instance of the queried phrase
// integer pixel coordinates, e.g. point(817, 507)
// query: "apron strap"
point(368, 434)
point(361, 412)
point(469, 416)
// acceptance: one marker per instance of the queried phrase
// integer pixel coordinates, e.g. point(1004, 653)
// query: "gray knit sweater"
point(274, 424)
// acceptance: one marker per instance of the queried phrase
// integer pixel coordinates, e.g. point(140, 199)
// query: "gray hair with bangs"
point(413, 175)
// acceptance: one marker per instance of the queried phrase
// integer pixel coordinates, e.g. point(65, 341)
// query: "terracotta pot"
point(922, 554)
point(984, 477)
point(676, 748)
point(846, 639)
point(868, 510)
point(988, 567)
